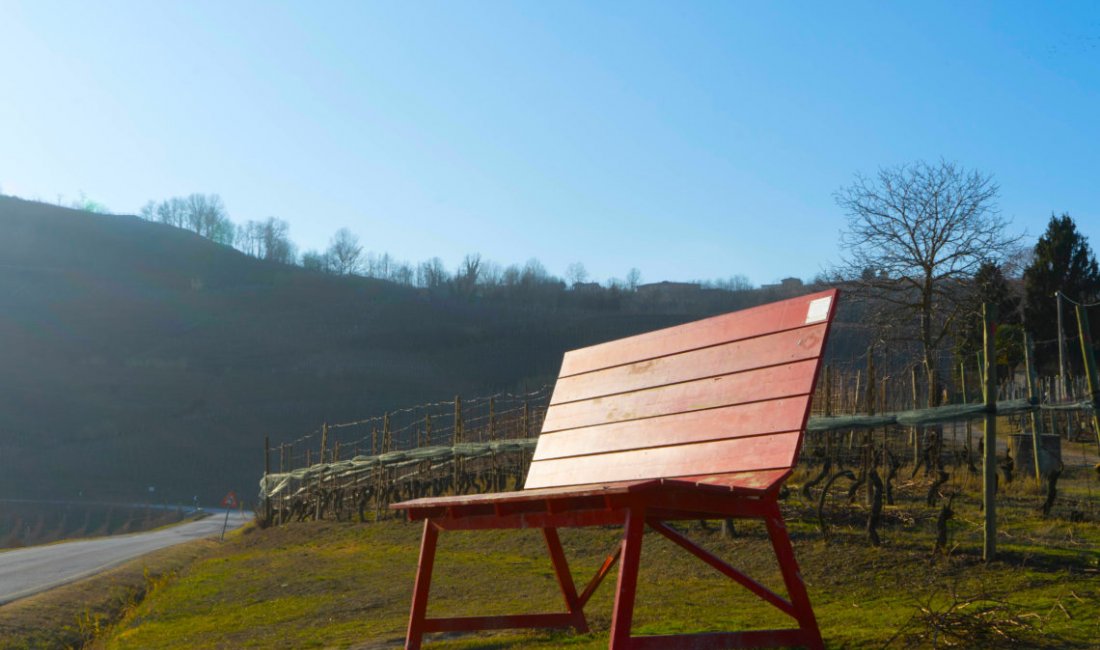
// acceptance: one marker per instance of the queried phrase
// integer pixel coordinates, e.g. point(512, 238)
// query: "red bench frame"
point(698, 421)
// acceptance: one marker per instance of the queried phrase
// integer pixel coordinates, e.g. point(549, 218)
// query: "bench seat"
point(700, 421)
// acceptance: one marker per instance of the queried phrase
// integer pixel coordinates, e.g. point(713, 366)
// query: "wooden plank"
point(738, 356)
point(474, 623)
point(597, 488)
point(774, 416)
point(740, 481)
point(752, 386)
point(722, 640)
point(715, 457)
point(773, 317)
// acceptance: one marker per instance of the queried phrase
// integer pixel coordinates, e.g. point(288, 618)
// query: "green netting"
point(363, 468)
point(937, 415)
point(1073, 406)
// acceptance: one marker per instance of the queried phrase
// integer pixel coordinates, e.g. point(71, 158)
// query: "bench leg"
point(423, 585)
point(631, 553)
point(565, 579)
point(792, 579)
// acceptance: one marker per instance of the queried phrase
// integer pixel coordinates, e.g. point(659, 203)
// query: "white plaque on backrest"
point(819, 310)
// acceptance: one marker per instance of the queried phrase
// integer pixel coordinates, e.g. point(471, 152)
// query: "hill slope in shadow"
point(135, 354)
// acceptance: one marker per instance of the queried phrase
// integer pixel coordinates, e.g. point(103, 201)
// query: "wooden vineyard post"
point(868, 436)
point(374, 440)
point(916, 431)
point(1033, 399)
point(456, 437)
point(855, 407)
point(966, 400)
point(1089, 358)
point(492, 419)
point(962, 382)
point(458, 421)
point(387, 438)
point(267, 470)
point(324, 442)
point(427, 430)
point(336, 452)
point(827, 411)
point(989, 464)
point(526, 418)
point(1063, 393)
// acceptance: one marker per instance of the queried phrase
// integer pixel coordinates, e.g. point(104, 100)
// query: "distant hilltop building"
point(785, 286)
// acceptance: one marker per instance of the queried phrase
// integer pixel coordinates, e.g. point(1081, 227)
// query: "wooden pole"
point(868, 455)
point(324, 441)
point(492, 419)
point(962, 381)
point(267, 470)
point(1090, 368)
point(916, 431)
point(1062, 374)
point(456, 437)
point(989, 464)
point(1033, 398)
point(827, 379)
point(458, 421)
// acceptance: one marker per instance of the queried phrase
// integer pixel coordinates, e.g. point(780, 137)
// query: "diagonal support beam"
point(724, 568)
point(604, 569)
point(565, 580)
point(792, 577)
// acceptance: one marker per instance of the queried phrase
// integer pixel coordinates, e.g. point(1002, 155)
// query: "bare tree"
point(734, 283)
point(575, 274)
point(275, 240)
point(465, 280)
point(403, 274)
point(431, 274)
point(173, 212)
point(633, 278)
point(149, 211)
point(316, 261)
point(206, 216)
point(916, 233)
point(345, 253)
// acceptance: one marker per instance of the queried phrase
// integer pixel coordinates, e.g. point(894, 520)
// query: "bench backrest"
point(725, 396)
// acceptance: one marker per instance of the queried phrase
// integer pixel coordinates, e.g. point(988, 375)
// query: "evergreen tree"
point(1063, 262)
point(991, 286)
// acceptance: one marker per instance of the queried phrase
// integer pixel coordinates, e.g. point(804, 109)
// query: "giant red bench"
point(698, 421)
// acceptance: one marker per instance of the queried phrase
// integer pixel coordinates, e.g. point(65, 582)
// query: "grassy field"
point(344, 585)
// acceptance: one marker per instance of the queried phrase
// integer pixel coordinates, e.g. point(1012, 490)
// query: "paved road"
point(28, 571)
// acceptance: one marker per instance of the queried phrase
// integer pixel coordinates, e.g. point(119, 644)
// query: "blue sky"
point(689, 140)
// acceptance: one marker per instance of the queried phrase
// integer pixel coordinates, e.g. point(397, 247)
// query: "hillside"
point(137, 354)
